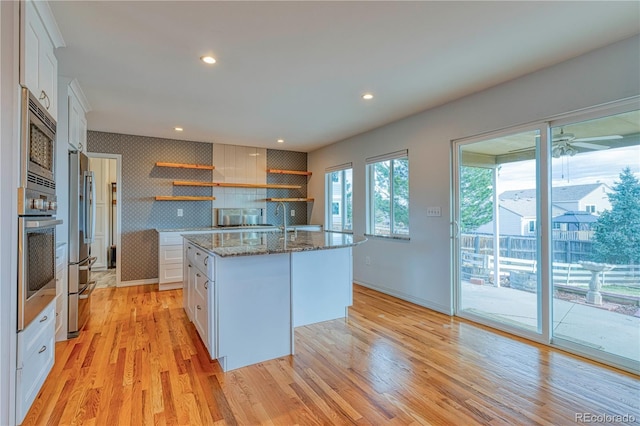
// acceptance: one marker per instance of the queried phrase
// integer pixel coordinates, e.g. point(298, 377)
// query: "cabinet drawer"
point(43, 323)
point(170, 239)
point(170, 273)
point(201, 285)
point(171, 254)
point(34, 371)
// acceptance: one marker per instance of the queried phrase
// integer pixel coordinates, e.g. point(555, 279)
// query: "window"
point(532, 226)
point(388, 200)
point(590, 208)
point(339, 203)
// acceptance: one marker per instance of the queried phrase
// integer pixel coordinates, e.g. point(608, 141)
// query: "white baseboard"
point(170, 286)
point(138, 282)
point(418, 301)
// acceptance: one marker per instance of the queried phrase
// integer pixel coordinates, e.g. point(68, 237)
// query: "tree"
point(476, 197)
point(617, 235)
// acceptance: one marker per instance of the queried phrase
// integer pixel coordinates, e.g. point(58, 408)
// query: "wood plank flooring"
point(140, 361)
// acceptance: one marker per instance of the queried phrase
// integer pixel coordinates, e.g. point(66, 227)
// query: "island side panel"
point(253, 309)
point(322, 285)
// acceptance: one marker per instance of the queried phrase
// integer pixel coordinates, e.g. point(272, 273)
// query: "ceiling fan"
point(565, 143)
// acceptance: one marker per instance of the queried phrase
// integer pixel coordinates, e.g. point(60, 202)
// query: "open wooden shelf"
point(290, 199)
point(289, 172)
point(185, 166)
point(235, 185)
point(182, 198)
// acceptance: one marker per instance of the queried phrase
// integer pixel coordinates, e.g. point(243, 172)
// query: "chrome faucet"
point(284, 215)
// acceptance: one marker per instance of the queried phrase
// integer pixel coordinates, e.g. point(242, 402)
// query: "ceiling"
point(297, 70)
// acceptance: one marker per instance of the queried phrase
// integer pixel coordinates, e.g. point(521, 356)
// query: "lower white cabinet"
point(199, 293)
point(36, 354)
point(61, 293)
point(170, 265)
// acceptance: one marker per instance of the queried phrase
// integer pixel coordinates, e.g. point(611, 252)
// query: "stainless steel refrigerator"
point(81, 235)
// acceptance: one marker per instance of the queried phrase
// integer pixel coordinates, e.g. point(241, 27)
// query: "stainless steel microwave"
point(36, 195)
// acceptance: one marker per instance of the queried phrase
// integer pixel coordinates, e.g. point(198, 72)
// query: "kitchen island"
point(246, 291)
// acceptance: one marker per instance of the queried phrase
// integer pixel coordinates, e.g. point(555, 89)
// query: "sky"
point(589, 167)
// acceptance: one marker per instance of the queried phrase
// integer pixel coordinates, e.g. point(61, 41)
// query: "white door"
point(99, 166)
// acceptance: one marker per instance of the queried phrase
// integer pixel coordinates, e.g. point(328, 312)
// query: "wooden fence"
point(521, 272)
point(567, 251)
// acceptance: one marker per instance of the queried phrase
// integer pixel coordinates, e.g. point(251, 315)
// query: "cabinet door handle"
point(44, 318)
point(206, 285)
point(198, 307)
point(42, 349)
point(206, 259)
point(198, 275)
point(45, 97)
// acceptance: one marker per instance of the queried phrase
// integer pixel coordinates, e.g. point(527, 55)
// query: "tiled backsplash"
point(142, 180)
point(287, 160)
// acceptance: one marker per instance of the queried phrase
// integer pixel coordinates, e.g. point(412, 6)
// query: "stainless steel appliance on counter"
point(36, 207)
point(240, 217)
point(81, 235)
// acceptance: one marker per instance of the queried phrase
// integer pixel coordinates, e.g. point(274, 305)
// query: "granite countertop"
point(225, 244)
point(216, 228)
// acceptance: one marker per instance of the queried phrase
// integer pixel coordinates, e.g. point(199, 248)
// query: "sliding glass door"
point(547, 232)
point(595, 194)
point(498, 240)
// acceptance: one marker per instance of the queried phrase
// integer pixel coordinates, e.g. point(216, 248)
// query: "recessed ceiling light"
point(367, 96)
point(208, 59)
point(178, 129)
point(280, 141)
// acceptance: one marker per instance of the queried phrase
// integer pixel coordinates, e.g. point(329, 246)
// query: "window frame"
point(344, 200)
point(371, 163)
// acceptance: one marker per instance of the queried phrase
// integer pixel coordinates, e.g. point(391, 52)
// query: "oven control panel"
point(31, 202)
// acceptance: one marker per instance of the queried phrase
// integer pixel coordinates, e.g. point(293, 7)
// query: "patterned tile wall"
point(142, 180)
point(287, 160)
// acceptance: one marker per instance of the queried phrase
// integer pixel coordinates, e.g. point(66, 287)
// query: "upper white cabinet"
point(77, 107)
point(39, 66)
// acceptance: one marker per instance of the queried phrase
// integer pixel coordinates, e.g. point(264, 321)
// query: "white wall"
point(9, 154)
point(420, 270)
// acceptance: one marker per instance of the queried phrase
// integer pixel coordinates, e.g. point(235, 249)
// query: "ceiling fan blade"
point(589, 145)
point(598, 138)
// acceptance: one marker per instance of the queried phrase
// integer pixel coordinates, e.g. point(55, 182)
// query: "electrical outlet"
point(293, 213)
point(367, 260)
point(179, 212)
point(434, 211)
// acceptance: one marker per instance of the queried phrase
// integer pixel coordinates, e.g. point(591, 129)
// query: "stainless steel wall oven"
point(37, 266)
point(36, 209)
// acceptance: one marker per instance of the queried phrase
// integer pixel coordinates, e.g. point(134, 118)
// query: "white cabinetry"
point(39, 66)
point(170, 265)
point(61, 292)
point(200, 294)
point(75, 108)
point(36, 348)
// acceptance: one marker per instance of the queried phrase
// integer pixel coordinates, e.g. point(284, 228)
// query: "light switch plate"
point(180, 213)
point(293, 213)
point(434, 211)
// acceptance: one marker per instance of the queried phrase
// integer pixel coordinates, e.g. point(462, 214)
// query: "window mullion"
point(391, 197)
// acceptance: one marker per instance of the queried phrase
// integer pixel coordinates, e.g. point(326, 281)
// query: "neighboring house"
point(517, 208)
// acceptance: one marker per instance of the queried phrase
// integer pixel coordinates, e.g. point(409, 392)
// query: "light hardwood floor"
point(139, 361)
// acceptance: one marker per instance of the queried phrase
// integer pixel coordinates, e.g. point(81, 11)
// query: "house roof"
point(576, 217)
point(526, 207)
point(558, 193)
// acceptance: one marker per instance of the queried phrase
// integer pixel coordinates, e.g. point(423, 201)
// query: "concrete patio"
point(583, 324)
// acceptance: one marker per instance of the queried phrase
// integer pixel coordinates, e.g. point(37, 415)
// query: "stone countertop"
point(217, 228)
point(225, 244)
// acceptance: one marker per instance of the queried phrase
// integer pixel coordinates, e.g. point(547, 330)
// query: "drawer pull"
point(44, 318)
point(198, 307)
point(206, 259)
point(42, 349)
point(197, 253)
point(198, 275)
point(189, 265)
point(206, 285)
